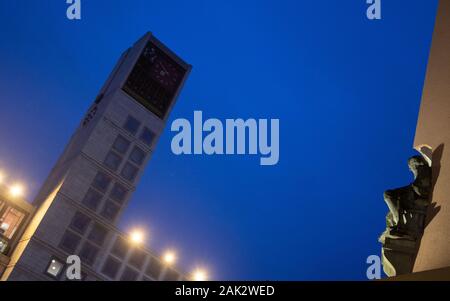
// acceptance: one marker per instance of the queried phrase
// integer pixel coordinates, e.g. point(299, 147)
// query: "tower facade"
point(87, 190)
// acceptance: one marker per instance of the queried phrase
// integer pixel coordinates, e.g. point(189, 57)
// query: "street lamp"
point(169, 257)
point(200, 275)
point(16, 190)
point(137, 236)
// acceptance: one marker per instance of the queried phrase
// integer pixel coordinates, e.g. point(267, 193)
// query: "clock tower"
point(89, 187)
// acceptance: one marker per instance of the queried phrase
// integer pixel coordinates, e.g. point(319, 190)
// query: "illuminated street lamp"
point(169, 257)
point(137, 236)
point(16, 190)
point(200, 275)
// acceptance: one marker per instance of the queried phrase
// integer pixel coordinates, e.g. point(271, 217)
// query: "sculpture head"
point(415, 163)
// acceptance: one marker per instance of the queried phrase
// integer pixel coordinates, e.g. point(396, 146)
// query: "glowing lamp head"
point(200, 275)
point(170, 257)
point(16, 190)
point(137, 236)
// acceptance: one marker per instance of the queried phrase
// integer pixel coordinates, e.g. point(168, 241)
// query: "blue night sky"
point(346, 90)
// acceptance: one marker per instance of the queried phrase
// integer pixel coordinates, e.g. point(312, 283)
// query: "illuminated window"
point(118, 193)
point(129, 172)
point(137, 258)
point(10, 222)
point(80, 222)
point(111, 267)
point(3, 245)
point(120, 247)
point(153, 268)
point(112, 161)
point(121, 145)
point(54, 268)
point(69, 242)
point(101, 181)
point(129, 275)
point(132, 125)
point(98, 234)
point(147, 136)
point(137, 155)
point(110, 210)
point(92, 199)
point(88, 253)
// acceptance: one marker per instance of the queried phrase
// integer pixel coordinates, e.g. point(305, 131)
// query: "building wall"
point(433, 129)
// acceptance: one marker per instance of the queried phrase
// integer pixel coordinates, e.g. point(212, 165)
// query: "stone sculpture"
point(405, 221)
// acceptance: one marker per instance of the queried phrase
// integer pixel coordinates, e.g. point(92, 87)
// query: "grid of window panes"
point(126, 158)
point(125, 262)
point(85, 236)
point(115, 156)
point(11, 219)
point(136, 155)
point(105, 197)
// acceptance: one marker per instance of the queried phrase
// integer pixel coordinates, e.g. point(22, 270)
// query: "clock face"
point(163, 69)
point(154, 80)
